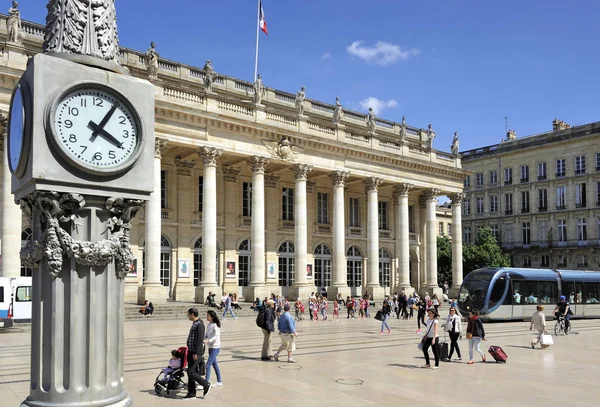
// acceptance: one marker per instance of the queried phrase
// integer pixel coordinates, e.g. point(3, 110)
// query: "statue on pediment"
point(338, 112)
point(430, 137)
point(284, 150)
point(210, 75)
point(259, 90)
point(152, 61)
point(403, 129)
point(370, 120)
point(13, 24)
point(299, 102)
point(455, 144)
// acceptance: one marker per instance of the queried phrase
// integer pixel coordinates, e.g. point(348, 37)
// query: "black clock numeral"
point(83, 102)
point(72, 138)
point(98, 102)
point(98, 156)
point(73, 111)
point(112, 155)
point(125, 134)
point(122, 120)
point(83, 149)
point(68, 124)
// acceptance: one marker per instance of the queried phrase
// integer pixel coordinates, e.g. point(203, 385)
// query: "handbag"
point(469, 335)
point(423, 339)
point(379, 316)
point(201, 368)
point(546, 340)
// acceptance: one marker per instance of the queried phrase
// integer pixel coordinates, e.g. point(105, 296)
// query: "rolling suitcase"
point(498, 354)
point(443, 348)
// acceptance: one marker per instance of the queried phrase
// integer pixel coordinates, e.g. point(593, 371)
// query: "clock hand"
point(103, 122)
point(104, 134)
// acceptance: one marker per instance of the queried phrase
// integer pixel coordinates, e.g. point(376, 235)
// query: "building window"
point(597, 193)
point(562, 260)
point(411, 220)
point(247, 199)
point(507, 176)
point(526, 261)
point(449, 229)
point(508, 229)
point(494, 229)
point(560, 168)
point(508, 209)
point(383, 215)
point(286, 264)
point(545, 260)
point(354, 269)
point(542, 231)
point(561, 197)
point(467, 207)
point(581, 229)
point(384, 268)
point(479, 179)
point(467, 182)
point(524, 173)
point(524, 201)
point(287, 204)
point(322, 266)
point(322, 208)
point(541, 171)
point(526, 233)
point(493, 177)
point(467, 235)
point(542, 200)
point(580, 201)
point(353, 213)
point(580, 164)
point(441, 229)
point(244, 263)
point(200, 192)
point(597, 162)
point(582, 260)
point(494, 203)
point(198, 262)
point(479, 205)
point(163, 189)
point(562, 230)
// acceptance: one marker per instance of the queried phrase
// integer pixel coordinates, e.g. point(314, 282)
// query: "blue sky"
point(459, 65)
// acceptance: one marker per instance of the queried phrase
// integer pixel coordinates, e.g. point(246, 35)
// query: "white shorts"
point(289, 342)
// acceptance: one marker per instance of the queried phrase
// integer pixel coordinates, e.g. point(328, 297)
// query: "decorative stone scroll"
point(56, 243)
point(184, 167)
point(339, 178)
point(230, 174)
point(209, 155)
point(258, 163)
point(284, 150)
point(457, 199)
point(301, 171)
point(372, 184)
point(159, 146)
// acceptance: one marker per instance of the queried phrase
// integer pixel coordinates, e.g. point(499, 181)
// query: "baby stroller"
point(165, 383)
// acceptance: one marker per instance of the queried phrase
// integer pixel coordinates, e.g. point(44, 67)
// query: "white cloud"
point(326, 56)
point(378, 105)
point(383, 53)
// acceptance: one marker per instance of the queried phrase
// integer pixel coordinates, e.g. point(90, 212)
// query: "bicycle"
point(560, 326)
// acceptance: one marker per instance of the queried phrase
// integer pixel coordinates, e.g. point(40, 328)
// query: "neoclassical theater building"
point(268, 193)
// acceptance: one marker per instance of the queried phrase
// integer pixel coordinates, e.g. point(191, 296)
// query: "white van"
point(5, 303)
point(21, 298)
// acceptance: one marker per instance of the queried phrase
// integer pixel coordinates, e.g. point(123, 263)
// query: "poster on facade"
point(132, 269)
point(271, 270)
point(184, 268)
point(230, 269)
point(309, 271)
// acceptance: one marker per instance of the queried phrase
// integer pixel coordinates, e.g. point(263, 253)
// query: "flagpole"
point(257, 32)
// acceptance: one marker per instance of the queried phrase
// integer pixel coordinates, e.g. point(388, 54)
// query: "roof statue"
point(259, 90)
point(403, 129)
point(455, 144)
point(152, 61)
point(13, 24)
point(210, 75)
point(338, 113)
point(430, 137)
point(83, 31)
point(299, 101)
point(370, 120)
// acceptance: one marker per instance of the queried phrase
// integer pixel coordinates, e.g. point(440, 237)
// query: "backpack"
point(261, 319)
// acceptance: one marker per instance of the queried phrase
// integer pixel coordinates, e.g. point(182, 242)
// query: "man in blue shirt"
point(287, 331)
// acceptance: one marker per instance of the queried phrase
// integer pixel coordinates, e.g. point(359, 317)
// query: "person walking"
point(287, 331)
point(267, 328)
point(336, 311)
point(454, 328)
point(436, 303)
point(367, 305)
point(323, 307)
point(195, 345)
point(422, 306)
point(212, 338)
point(538, 321)
point(475, 334)
point(349, 307)
point(386, 310)
point(432, 340)
point(228, 303)
point(411, 307)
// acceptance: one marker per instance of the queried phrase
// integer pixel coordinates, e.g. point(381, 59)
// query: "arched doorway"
point(385, 267)
point(323, 267)
point(286, 266)
point(164, 264)
point(26, 236)
point(354, 270)
point(198, 262)
point(244, 264)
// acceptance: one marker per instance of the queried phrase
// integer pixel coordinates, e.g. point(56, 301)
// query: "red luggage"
point(498, 354)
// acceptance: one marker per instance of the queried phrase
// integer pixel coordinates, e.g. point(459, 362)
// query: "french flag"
point(262, 21)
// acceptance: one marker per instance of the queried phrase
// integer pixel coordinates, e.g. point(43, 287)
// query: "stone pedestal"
point(184, 291)
point(333, 291)
point(302, 292)
point(201, 292)
point(155, 293)
point(377, 294)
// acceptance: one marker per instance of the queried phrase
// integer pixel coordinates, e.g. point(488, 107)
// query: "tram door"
point(518, 299)
point(573, 292)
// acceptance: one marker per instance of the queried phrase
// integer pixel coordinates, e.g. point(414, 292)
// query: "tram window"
point(573, 292)
point(531, 292)
point(547, 290)
point(591, 293)
point(497, 291)
point(517, 293)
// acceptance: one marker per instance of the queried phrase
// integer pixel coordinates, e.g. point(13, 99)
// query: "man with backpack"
point(266, 321)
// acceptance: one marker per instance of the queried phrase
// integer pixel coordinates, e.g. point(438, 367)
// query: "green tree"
point(485, 252)
point(444, 259)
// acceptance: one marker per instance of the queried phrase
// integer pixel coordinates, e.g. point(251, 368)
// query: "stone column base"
point(183, 291)
point(377, 294)
point(435, 290)
point(156, 294)
point(259, 291)
point(333, 291)
point(302, 292)
point(126, 402)
point(131, 291)
point(202, 293)
point(408, 290)
point(453, 291)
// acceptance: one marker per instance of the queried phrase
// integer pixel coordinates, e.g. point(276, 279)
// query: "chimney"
point(511, 135)
point(558, 125)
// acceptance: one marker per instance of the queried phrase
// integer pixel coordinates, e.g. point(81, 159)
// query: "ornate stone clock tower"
point(81, 143)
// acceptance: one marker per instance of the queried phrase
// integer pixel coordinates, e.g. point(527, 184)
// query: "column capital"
point(339, 178)
point(271, 180)
point(372, 184)
point(301, 171)
point(159, 146)
point(230, 174)
point(403, 189)
point(209, 155)
point(457, 199)
point(258, 163)
point(430, 194)
point(184, 167)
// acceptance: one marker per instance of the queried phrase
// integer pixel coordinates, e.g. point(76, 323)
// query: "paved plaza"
point(346, 363)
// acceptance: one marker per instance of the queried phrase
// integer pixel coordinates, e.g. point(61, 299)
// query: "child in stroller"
point(169, 378)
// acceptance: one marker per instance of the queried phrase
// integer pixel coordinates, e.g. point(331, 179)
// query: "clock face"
point(16, 132)
point(96, 129)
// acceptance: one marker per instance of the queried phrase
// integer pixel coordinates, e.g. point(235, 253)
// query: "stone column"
point(373, 286)
point(11, 220)
point(209, 156)
point(402, 237)
point(301, 288)
point(457, 262)
point(340, 281)
point(232, 221)
point(430, 197)
point(152, 290)
point(257, 240)
point(184, 287)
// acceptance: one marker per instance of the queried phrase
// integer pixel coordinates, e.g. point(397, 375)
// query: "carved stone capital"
point(258, 163)
point(209, 155)
point(339, 178)
point(184, 167)
point(457, 199)
point(310, 186)
point(301, 171)
point(230, 174)
point(403, 189)
point(159, 146)
point(271, 180)
point(372, 184)
point(430, 194)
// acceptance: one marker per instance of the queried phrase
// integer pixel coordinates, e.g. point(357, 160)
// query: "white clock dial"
point(96, 129)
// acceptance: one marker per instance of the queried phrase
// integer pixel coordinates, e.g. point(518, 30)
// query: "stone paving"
point(347, 363)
